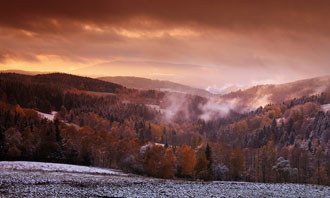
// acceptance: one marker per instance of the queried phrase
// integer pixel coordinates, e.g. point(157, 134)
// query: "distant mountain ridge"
point(149, 84)
point(276, 93)
point(65, 81)
point(256, 96)
point(30, 73)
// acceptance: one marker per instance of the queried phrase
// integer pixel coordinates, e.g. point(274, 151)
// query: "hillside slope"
point(264, 94)
point(148, 84)
point(64, 81)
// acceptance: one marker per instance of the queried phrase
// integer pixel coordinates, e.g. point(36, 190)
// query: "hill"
point(264, 94)
point(148, 84)
point(64, 81)
point(31, 73)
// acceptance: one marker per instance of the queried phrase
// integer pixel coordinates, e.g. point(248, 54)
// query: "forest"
point(103, 124)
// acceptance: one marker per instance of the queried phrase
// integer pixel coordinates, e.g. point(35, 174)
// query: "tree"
point(153, 159)
point(320, 172)
point(2, 139)
point(208, 154)
point(220, 172)
point(305, 170)
point(156, 133)
point(168, 164)
point(236, 164)
point(267, 159)
point(186, 160)
point(284, 171)
point(202, 165)
point(84, 152)
point(196, 141)
point(29, 143)
point(320, 176)
point(13, 143)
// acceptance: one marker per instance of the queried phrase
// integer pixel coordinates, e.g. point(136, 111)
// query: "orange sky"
point(205, 43)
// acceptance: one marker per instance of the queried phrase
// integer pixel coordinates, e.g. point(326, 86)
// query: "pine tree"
point(208, 154)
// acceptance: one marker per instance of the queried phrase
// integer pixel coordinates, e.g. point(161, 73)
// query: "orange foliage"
point(168, 164)
point(19, 110)
point(186, 160)
point(152, 160)
point(272, 111)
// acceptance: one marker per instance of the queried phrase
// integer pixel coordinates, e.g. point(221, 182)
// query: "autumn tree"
point(320, 174)
point(29, 143)
point(267, 159)
point(84, 152)
point(196, 141)
point(186, 160)
point(70, 141)
point(13, 143)
point(153, 159)
point(202, 165)
point(168, 164)
point(236, 164)
point(2, 139)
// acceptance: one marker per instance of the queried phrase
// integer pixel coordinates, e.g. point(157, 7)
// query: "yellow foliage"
point(156, 132)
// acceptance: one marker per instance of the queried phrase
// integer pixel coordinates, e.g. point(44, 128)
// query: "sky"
point(210, 44)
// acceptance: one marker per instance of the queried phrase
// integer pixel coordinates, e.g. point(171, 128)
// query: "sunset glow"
point(199, 43)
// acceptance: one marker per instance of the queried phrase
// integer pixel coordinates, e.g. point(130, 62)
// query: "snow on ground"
point(54, 167)
point(47, 116)
point(35, 183)
point(325, 107)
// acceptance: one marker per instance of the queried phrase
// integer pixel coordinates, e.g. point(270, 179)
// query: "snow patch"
point(325, 107)
point(54, 167)
point(47, 116)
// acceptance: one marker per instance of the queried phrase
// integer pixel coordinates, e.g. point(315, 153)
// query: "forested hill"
point(49, 92)
point(285, 142)
point(65, 81)
point(261, 95)
point(149, 84)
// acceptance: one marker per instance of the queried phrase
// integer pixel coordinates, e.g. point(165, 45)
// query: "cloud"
point(208, 42)
point(39, 15)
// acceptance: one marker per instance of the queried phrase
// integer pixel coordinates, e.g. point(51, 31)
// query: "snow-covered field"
point(54, 167)
point(56, 180)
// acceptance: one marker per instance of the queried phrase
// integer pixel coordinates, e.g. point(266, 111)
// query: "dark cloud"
point(6, 54)
point(298, 15)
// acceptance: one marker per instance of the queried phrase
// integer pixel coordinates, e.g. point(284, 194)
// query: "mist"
point(177, 107)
